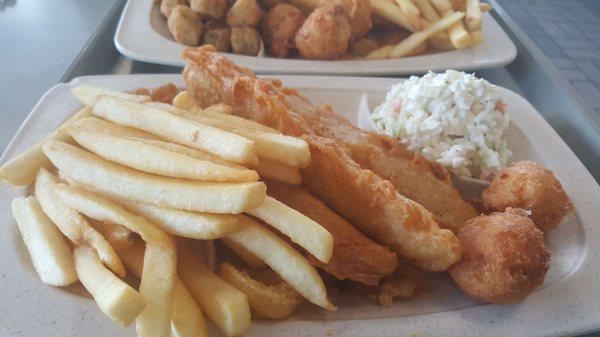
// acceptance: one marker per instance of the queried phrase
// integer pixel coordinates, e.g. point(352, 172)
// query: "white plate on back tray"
point(567, 303)
point(142, 35)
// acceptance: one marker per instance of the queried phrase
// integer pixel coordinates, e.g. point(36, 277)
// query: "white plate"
point(142, 35)
point(567, 303)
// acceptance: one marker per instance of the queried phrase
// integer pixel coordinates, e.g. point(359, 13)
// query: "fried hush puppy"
point(185, 25)
point(245, 41)
point(530, 186)
point(325, 33)
point(504, 257)
point(244, 13)
point(279, 27)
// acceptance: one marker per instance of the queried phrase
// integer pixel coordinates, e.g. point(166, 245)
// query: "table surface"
point(40, 40)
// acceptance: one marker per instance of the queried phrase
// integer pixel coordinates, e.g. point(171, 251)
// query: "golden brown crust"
point(325, 33)
point(279, 28)
point(504, 257)
point(530, 186)
point(355, 256)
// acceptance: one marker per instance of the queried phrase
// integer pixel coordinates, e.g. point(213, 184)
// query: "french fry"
point(222, 109)
point(390, 12)
point(105, 210)
point(284, 260)
point(458, 35)
point(440, 40)
point(411, 13)
point(87, 94)
point(22, 169)
point(175, 129)
point(115, 298)
point(156, 288)
point(413, 41)
point(268, 301)
point(473, 16)
point(485, 7)
point(156, 160)
point(219, 112)
point(95, 124)
point(476, 38)
point(191, 152)
point(184, 101)
point(209, 254)
point(271, 169)
point(250, 259)
point(187, 319)
point(224, 304)
point(121, 239)
point(297, 226)
point(121, 182)
point(420, 49)
point(49, 251)
point(72, 224)
point(288, 150)
point(194, 225)
point(380, 53)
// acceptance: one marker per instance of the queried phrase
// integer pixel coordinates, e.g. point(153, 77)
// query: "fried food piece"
point(272, 301)
point(363, 47)
point(504, 257)
point(163, 94)
point(185, 25)
point(325, 33)
point(359, 12)
point(397, 287)
point(271, 3)
point(245, 41)
point(166, 6)
point(211, 8)
point(244, 13)
point(219, 35)
point(279, 28)
point(355, 256)
point(530, 186)
point(369, 202)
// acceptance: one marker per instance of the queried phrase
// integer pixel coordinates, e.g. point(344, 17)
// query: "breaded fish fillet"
point(355, 256)
point(370, 202)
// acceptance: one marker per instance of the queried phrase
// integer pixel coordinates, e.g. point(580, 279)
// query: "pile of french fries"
point(129, 185)
point(443, 24)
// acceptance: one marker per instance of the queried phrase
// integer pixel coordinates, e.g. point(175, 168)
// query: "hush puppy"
point(245, 41)
point(244, 13)
point(185, 25)
point(325, 33)
point(504, 257)
point(530, 186)
point(279, 27)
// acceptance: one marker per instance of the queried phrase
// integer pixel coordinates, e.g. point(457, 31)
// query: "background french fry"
point(473, 16)
point(390, 12)
point(440, 40)
point(411, 13)
point(49, 251)
point(413, 41)
point(458, 35)
point(114, 297)
point(250, 259)
point(22, 169)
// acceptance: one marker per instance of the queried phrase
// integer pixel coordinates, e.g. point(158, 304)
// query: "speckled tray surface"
point(143, 35)
point(566, 304)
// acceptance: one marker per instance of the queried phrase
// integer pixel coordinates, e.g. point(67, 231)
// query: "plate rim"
point(454, 322)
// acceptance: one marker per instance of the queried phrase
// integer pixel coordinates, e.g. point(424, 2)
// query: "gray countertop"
point(38, 42)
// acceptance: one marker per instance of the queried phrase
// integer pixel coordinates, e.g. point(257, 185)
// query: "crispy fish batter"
point(355, 256)
point(366, 199)
point(505, 257)
point(530, 186)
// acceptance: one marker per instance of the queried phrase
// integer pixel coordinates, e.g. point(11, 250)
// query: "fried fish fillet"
point(370, 202)
point(355, 256)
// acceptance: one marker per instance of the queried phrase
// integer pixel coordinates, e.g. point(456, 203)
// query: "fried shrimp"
point(325, 33)
point(279, 27)
point(530, 186)
point(504, 257)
